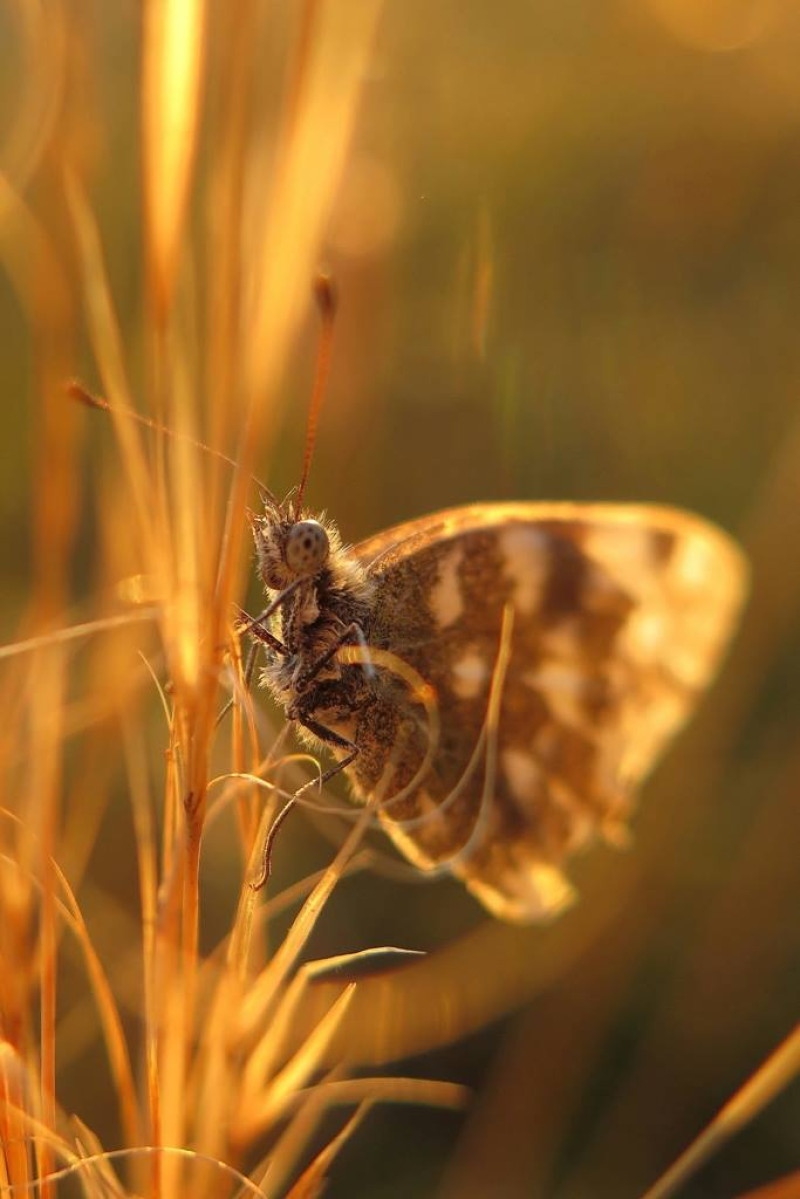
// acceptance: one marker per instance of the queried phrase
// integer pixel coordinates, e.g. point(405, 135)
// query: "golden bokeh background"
point(566, 245)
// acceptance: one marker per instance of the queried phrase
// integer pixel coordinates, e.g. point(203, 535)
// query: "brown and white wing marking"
point(620, 617)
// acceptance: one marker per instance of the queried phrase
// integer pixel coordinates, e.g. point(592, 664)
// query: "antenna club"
point(76, 392)
point(326, 296)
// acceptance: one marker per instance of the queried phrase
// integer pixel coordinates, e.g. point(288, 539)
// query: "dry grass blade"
point(282, 1162)
point(96, 1164)
point(783, 1188)
point(285, 246)
point(22, 241)
point(364, 963)
point(262, 994)
point(43, 31)
point(441, 997)
point(258, 1111)
point(43, 805)
point(222, 1064)
point(113, 1031)
point(330, 1091)
point(423, 1091)
point(56, 1143)
point(317, 134)
point(106, 1005)
point(768, 1081)
point(75, 632)
point(107, 345)
point(174, 35)
point(100, 1162)
point(174, 177)
point(147, 856)
point(312, 1180)
point(279, 1037)
point(13, 1140)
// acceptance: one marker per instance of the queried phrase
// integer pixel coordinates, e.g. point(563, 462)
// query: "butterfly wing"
point(620, 615)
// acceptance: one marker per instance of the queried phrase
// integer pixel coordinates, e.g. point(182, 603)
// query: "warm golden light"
point(717, 25)
point(406, 374)
point(368, 210)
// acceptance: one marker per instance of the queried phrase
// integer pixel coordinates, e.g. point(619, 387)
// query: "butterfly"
point(505, 675)
point(501, 677)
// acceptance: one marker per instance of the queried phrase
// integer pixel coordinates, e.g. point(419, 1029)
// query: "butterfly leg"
point(352, 630)
point(253, 626)
point(329, 738)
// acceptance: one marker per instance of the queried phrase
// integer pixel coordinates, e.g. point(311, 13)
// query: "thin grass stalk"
point(260, 1110)
point(113, 1032)
point(784, 1188)
point(243, 722)
point(173, 43)
point(780, 1069)
point(273, 1171)
point(147, 859)
point(96, 1164)
point(56, 507)
point(107, 346)
point(45, 778)
point(78, 1165)
point(15, 1157)
point(312, 1180)
point(311, 146)
point(393, 1089)
point(116, 1046)
point(237, 41)
point(76, 632)
point(170, 521)
point(259, 1002)
point(22, 241)
point(266, 1052)
point(36, 1130)
point(43, 33)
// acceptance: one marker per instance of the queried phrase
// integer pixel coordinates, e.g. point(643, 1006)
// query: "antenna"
point(325, 296)
point(76, 392)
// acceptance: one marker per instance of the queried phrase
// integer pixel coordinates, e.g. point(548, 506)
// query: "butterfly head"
point(290, 545)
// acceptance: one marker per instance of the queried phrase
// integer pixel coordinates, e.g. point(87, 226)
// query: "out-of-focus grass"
point(565, 238)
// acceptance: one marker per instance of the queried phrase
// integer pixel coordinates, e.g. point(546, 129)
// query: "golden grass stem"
point(147, 858)
point(109, 1013)
point(262, 994)
point(258, 1111)
point(107, 345)
point(780, 1068)
point(14, 1156)
point(44, 803)
point(75, 632)
point(116, 1044)
point(395, 1089)
point(274, 1171)
point(783, 1188)
point(311, 1181)
point(172, 70)
point(77, 1164)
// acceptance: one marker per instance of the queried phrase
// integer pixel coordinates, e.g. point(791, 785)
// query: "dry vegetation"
point(221, 1068)
point(228, 1049)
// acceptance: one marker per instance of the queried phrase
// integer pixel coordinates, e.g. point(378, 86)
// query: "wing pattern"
point(620, 617)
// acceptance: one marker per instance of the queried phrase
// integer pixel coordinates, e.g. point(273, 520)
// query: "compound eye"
point(307, 547)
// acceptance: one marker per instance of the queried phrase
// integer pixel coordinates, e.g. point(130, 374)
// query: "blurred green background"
point(567, 248)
